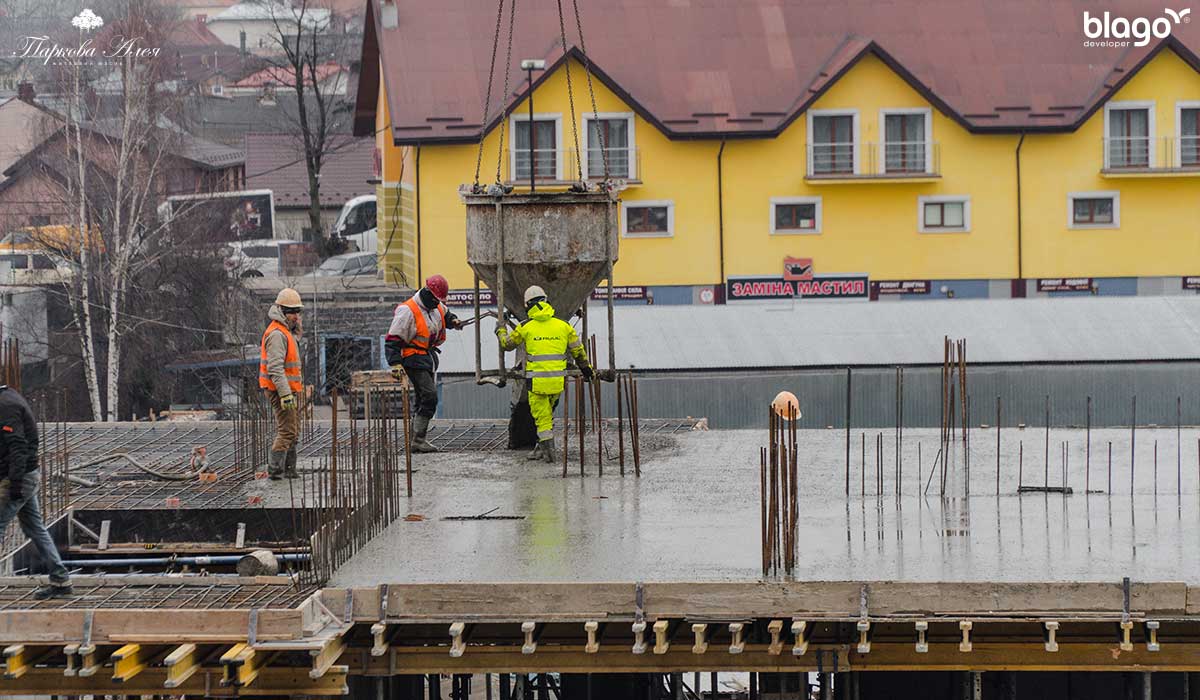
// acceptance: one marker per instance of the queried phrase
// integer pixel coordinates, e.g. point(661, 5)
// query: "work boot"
point(276, 465)
point(419, 443)
point(289, 469)
point(537, 453)
point(548, 451)
point(54, 590)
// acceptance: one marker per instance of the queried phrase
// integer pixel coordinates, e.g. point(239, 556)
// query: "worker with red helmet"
point(418, 328)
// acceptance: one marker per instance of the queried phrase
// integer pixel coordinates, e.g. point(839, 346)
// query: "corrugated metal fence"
point(739, 399)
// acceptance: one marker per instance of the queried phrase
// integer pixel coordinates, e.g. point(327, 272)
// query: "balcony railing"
point(624, 163)
point(1132, 154)
point(544, 160)
point(891, 159)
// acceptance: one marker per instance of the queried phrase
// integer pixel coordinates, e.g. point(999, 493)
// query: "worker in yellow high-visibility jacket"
point(548, 341)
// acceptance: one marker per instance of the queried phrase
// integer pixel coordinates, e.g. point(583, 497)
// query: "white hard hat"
point(534, 292)
point(289, 298)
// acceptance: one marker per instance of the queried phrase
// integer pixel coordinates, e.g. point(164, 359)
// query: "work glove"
point(288, 402)
point(398, 373)
point(587, 372)
point(453, 322)
point(502, 333)
point(14, 490)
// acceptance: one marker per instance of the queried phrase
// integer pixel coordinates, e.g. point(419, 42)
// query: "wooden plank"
point(741, 600)
point(518, 602)
point(284, 682)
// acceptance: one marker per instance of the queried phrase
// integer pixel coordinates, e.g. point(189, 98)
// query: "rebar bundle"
point(253, 426)
point(955, 408)
point(778, 493)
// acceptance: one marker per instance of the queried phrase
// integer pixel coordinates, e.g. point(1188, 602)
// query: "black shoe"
point(53, 591)
point(275, 477)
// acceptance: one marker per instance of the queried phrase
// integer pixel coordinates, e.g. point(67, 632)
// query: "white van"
point(356, 223)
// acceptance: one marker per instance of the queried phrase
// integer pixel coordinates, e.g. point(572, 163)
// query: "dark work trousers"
point(426, 399)
point(29, 514)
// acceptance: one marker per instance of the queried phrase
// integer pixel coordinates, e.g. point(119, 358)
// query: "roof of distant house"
point(259, 11)
point(283, 76)
point(750, 68)
point(274, 162)
point(193, 32)
point(20, 123)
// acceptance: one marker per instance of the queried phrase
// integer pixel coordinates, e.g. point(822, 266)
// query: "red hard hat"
point(439, 286)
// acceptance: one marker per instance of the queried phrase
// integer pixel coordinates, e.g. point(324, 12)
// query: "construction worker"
point(18, 491)
point(547, 341)
point(280, 377)
point(418, 328)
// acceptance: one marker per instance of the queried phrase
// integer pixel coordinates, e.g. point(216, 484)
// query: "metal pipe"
point(158, 561)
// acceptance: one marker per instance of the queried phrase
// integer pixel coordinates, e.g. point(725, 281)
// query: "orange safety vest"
point(419, 345)
point(291, 361)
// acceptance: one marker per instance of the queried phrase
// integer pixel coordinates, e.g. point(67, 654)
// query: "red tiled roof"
point(746, 68)
point(276, 162)
point(281, 75)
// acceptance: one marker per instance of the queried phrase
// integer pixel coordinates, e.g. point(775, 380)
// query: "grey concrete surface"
point(694, 514)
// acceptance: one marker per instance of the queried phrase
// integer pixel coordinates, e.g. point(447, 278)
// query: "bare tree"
point(112, 162)
point(311, 59)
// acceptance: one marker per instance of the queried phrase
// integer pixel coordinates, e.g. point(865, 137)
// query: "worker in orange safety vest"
point(280, 377)
point(418, 328)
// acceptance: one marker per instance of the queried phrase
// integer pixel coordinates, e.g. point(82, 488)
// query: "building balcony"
point(892, 161)
point(1143, 156)
point(560, 167)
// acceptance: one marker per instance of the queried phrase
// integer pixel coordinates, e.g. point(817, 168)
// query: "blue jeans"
point(29, 514)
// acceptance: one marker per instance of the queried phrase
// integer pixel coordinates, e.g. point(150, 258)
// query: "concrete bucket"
point(564, 242)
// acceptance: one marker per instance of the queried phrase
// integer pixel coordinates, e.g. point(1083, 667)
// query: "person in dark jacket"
point(18, 490)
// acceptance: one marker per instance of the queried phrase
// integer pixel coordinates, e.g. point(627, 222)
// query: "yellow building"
point(790, 159)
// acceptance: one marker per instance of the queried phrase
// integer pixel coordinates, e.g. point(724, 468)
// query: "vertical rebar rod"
point(620, 428)
point(1132, 435)
point(637, 428)
point(1110, 467)
point(1047, 460)
point(1087, 459)
point(848, 380)
point(1179, 445)
point(566, 427)
point(997, 445)
point(581, 420)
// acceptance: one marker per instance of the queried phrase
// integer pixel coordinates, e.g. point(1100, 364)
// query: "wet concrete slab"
point(694, 513)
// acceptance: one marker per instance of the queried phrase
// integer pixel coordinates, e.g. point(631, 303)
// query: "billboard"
point(222, 217)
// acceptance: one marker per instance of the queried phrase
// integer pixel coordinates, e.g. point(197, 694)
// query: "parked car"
point(254, 258)
point(348, 264)
point(356, 223)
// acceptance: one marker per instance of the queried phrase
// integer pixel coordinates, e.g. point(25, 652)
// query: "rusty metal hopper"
point(563, 241)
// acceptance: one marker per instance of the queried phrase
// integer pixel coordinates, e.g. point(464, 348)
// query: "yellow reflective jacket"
point(547, 341)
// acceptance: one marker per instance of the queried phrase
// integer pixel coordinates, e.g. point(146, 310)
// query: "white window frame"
point(1179, 107)
point(775, 201)
point(559, 146)
point(809, 137)
point(965, 200)
point(632, 146)
point(1148, 105)
point(1115, 195)
point(669, 204)
point(924, 111)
